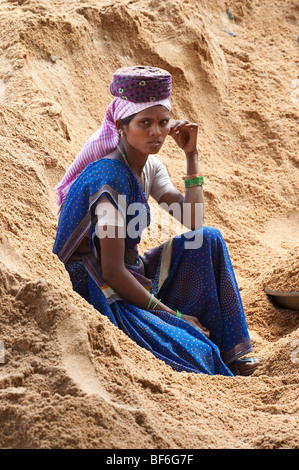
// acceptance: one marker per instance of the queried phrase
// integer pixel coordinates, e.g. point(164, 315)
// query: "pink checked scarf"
point(103, 141)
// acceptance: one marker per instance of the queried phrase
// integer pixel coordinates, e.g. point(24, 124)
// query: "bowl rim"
point(281, 293)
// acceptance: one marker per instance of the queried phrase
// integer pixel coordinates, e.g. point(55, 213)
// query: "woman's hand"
point(194, 322)
point(189, 318)
point(185, 135)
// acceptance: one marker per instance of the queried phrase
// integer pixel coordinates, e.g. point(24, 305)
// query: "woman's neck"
point(133, 158)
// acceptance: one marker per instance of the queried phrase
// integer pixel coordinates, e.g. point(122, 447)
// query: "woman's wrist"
point(172, 312)
point(166, 309)
point(192, 154)
point(192, 165)
point(155, 304)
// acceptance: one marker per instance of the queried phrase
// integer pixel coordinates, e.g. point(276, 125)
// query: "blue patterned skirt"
point(198, 282)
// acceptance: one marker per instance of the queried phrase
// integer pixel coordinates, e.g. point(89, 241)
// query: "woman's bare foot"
point(244, 366)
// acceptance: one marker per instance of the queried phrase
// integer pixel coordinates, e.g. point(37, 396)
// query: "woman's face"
point(148, 129)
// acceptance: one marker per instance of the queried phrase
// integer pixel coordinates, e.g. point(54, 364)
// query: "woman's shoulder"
point(153, 160)
point(106, 168)
point(154, 163)
point(154, 166)
point(105, 162)
point(106, 171)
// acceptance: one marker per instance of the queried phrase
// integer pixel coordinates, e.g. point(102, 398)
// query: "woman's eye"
point(146, 122)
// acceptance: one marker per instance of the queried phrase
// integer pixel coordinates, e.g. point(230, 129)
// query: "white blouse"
point(157, 180)
point(157, 183)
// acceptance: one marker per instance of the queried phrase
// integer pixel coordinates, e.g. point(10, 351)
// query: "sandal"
point(245, 366)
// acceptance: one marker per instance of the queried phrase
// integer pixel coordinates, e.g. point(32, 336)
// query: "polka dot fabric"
point(201, 281)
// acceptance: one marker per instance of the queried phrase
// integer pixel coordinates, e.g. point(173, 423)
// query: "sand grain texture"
point(70, 379)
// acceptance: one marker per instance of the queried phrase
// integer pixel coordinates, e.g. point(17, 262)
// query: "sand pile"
point(285, 275)
point(68, 378)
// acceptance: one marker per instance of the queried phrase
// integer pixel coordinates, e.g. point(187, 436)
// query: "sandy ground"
point(68, 378)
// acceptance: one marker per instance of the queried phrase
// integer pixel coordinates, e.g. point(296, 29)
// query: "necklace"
point(126, 161)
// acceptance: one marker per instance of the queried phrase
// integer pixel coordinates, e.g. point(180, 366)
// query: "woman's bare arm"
point(191, 205)
point(115, 273)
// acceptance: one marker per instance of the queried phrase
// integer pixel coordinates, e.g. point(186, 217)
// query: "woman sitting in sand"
point(179, 300)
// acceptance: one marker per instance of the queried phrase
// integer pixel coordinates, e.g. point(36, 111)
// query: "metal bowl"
point(288, 300)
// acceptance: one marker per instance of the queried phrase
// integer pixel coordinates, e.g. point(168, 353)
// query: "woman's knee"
point(197, 238)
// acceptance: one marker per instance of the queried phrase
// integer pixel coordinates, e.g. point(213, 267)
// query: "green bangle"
point(150, 301)
point(156, 304)
point(178, 313)
point(197, 181)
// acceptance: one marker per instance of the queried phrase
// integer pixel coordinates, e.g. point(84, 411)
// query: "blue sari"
point(198, 282)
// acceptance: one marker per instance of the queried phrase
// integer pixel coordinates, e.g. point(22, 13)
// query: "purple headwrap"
point(107, 138)
point(139, 84)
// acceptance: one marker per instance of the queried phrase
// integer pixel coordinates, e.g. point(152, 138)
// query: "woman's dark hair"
point(128, 119)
